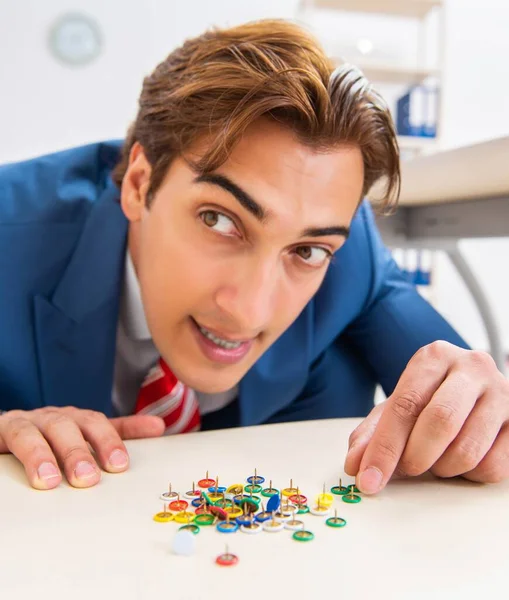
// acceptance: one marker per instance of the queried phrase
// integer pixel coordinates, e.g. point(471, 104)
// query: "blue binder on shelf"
point(403, 115)
point(431, 109)
point(417, 111)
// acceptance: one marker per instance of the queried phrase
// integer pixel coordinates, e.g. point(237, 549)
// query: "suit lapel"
point(280, 374)
point(75, 329)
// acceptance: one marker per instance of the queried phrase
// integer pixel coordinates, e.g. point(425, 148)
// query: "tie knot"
point(163, 395)
point(168, 373)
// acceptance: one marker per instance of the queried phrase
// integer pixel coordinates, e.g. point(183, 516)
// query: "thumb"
point(359, 439)
point(138, 426)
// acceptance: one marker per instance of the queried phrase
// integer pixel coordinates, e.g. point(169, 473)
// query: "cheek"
point(163, 265)
point(177, 275)
point(291, 301)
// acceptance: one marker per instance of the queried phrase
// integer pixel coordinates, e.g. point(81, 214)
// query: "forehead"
point(279, 152)
point(282, 173)
point(297, 187)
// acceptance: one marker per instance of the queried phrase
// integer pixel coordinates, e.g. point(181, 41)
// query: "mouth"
point(219, 347)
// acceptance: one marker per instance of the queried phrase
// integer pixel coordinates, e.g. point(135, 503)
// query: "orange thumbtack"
point(207, 482)
point(178, 505)
point(227, 559)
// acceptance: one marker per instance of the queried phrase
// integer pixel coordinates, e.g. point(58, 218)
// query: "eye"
point(314, 256)
point(218, 222)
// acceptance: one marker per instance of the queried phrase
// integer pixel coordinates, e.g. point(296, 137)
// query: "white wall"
point(46, 106)
point(476, 108)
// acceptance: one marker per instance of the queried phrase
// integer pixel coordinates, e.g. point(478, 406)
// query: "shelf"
point(420, 146)
point(403, 8)
point(411, 142)
point(388, 72)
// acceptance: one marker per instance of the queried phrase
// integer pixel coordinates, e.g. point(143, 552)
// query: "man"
point(227, 245)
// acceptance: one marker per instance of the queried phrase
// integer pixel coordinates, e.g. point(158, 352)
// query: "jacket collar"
point(75, 328)
point(80, 290)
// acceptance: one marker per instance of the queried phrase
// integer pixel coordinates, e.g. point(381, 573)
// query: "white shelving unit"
point(383, 72)
point(386, 72)
point(403, 8)
point(414, 142)
point(393, 72)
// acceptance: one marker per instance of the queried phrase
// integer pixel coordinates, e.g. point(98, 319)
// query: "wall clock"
point(75, 39)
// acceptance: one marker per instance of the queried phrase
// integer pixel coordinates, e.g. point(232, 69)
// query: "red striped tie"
point(162, 394)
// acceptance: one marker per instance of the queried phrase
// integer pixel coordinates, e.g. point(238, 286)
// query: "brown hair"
point(220, 82)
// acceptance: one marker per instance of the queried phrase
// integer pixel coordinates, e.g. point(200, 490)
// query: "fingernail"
point(47, 471)
point(85, 470)
point(352, 448)
point(370, 480)
point(118, 459)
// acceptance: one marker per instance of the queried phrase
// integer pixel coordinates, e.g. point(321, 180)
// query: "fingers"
point(3, 446)
point(23, 439)
point(494, 467)
point(441, 421)
point(359, 439)
point(45, 438)
point(138, 426)
point(69, 447)
point(423, 375)
point(98, 430)
point(474, 440)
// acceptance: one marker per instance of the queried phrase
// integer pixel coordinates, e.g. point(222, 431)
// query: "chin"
point(214, 387)
point(211, 383)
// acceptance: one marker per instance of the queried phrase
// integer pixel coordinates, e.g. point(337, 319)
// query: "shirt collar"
point(133, 314)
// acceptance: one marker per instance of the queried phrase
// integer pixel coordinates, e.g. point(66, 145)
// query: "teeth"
point(219, 341)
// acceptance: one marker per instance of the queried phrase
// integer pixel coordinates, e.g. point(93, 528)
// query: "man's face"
point(227, 261)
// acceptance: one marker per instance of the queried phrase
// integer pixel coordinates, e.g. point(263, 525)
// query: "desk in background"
point(418, 539)
point(453, 195)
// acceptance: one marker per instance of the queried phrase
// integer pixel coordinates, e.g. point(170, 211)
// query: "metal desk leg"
point(481, 301)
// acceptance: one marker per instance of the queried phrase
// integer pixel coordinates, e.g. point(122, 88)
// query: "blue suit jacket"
point(62, 247)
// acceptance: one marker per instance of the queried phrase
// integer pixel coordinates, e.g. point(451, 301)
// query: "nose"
point(249, 294)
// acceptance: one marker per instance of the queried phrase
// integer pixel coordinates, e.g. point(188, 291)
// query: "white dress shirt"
point(136, 352)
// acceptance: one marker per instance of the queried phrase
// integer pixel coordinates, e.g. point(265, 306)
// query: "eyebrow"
point(245, 199)
point(341, 230)
point(257, 210)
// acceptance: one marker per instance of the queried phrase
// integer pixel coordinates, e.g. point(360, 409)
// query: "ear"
point(135, 184)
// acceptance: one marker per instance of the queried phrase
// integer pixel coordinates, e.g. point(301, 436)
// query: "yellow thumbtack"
point(325, 498)
point(163, 517)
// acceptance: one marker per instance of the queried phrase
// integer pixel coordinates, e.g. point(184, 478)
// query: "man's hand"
point(45, 438)
point(449, 414)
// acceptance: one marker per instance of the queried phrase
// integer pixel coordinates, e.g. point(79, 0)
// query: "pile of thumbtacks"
point(242, 507)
